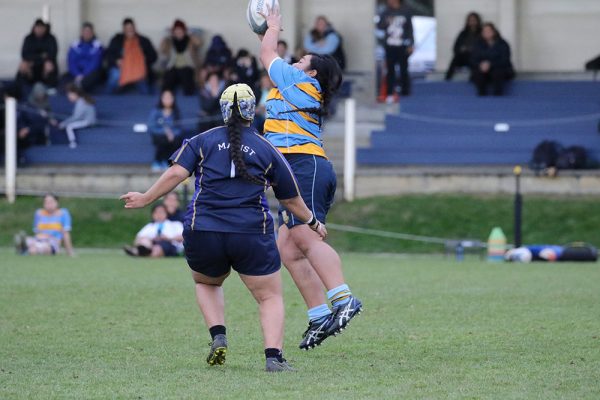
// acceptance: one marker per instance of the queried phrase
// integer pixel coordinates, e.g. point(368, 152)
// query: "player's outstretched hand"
point(134, 200)
point(273, 17)
point(319, 227)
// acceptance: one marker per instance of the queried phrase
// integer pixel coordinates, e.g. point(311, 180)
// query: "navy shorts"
point(168, 248)
point(317, 181)
point(215, 253)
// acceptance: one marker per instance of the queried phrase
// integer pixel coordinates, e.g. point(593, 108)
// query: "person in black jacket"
point(463, 46)
point(129, 57)
point(38, 56)
point(491, 61)
point(396, 22)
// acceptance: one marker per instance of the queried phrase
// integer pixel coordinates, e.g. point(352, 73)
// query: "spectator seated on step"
point(180, 59)
point(85, 59)
point(130, 57)
point(464, 44)
point(491, 62)
point(38, 57)
point(84, 114)
point(33, 120)
point(163, 125)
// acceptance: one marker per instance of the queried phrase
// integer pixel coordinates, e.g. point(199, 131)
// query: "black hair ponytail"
point(329, 76)
point(235, 125)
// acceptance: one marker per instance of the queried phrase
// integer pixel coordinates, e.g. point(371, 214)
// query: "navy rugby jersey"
point(223, 201)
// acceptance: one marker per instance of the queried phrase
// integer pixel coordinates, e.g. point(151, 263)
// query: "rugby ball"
point(255, 20)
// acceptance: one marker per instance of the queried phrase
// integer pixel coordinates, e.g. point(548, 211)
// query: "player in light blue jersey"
point(51, 226)
point(295, 109)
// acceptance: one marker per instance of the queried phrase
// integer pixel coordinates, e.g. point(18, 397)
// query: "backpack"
point(574, 157)
point(579, 251)
point(545, 155)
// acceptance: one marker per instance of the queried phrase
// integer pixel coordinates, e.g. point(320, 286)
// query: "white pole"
point(11, 148)
point(350, 149)
point(46, 13)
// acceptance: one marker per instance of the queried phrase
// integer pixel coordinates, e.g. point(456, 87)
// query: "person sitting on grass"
point(51, 226)
point(84, 114)
point(159, 238)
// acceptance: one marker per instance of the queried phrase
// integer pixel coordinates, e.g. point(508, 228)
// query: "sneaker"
point(315, 333)
point(131, 251)
point(72, 145)
point(390, 100)
point(218, 350)
point(274, 365)
point(343, 314)
point(21, 243)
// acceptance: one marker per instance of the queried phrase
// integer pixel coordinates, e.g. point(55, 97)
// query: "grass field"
point(105, 326)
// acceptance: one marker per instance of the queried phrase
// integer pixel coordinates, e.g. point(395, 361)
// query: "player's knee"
point(157, 251)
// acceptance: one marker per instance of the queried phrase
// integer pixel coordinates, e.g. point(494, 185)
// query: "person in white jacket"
point(159, 238)
point(84, 114)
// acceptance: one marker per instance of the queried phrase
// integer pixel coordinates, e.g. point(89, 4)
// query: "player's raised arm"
point(268, 47)
point(167, 182)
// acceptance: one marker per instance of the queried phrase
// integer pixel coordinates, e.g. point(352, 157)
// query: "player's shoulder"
point(210, 133)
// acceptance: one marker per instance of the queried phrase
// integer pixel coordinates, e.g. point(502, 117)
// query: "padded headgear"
point(241, 96)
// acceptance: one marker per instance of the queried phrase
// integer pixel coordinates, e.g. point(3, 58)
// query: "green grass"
point(106, 326)
point(104, 223)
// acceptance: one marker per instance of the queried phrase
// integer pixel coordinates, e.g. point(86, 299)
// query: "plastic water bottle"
point(460, 252)
point(496, 245)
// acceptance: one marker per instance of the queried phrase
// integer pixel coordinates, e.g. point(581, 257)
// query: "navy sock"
point(216, 330)
point(274, 353)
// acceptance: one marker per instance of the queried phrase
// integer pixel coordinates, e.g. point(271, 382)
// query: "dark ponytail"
point(235, 125)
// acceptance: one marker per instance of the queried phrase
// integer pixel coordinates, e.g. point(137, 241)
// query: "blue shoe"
point(342, 315)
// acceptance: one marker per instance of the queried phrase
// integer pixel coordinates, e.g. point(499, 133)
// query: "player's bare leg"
point(304, 275)
point(268, 293)
point(209, 295)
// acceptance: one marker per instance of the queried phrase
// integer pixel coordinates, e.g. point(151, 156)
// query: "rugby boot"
point(342, 315)
point(274, 365)
point(316, 333)
point(218, 350)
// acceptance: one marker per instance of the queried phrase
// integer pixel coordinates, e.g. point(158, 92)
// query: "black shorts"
point(317, 181)
point(215, 253)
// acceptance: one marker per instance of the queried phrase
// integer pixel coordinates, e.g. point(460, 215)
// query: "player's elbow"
point(267, 56)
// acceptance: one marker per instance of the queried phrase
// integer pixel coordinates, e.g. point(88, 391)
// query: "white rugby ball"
point(255, 20)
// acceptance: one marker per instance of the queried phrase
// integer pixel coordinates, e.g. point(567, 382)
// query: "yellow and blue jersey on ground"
point(293, 132)
point(52, 225)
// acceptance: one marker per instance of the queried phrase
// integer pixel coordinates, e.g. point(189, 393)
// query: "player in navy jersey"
point(228, 222)
point(295, 109)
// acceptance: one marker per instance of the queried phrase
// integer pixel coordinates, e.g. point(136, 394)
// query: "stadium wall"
point(545, 35)
point(353, 18)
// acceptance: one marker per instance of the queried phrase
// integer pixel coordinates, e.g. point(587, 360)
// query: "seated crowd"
point(130, 62)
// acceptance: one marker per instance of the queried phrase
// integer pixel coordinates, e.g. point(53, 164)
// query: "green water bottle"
point(496, 245)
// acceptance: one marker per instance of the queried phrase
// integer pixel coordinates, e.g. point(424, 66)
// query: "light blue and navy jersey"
point(52, 225)
point(293, 132)
point(223, 201)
